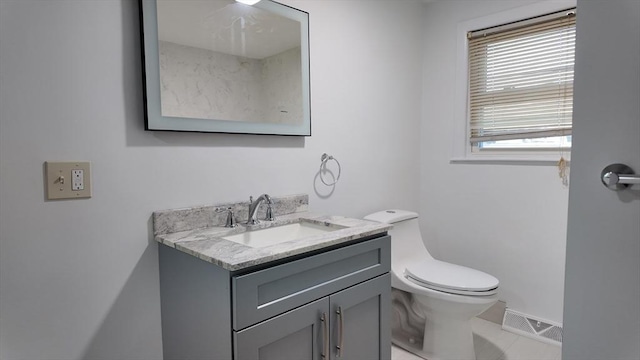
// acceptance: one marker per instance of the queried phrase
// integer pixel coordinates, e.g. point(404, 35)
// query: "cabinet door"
point(360, 321)
point(299, 334)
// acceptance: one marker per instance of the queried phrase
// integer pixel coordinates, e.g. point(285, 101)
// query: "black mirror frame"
point(154, 121)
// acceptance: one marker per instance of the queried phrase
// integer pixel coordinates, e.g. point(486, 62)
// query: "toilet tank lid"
point(391, 216)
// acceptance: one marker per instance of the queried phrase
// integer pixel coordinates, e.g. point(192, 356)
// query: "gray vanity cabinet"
point(350, 324)
point(295, 335)
point(332, 304)
point(360, 321)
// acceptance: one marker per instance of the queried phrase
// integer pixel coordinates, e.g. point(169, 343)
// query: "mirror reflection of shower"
point(224, 60)
point(230, 25)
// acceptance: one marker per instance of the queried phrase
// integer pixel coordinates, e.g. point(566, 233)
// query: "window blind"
point(521, 78)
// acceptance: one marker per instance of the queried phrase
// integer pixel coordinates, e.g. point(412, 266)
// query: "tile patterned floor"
point(493, 343)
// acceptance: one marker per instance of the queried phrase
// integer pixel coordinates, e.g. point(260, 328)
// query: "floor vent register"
point(541, 330)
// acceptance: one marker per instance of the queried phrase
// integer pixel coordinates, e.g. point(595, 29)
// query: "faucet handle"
point(230, 223)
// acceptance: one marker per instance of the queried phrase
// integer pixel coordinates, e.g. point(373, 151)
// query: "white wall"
point(508, 220)
point(79, 279)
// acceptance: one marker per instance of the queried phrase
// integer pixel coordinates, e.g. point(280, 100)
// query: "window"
point(521, 84)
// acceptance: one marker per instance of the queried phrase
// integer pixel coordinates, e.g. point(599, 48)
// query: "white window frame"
point(463, 151)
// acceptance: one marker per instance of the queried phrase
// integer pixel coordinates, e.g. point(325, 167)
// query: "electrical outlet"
point(77, 179)
point(68, 180)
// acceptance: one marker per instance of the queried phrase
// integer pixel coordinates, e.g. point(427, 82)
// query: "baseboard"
point(495, 313)
point(538, 329)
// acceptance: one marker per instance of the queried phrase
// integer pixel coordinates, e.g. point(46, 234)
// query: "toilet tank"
point(406, 241)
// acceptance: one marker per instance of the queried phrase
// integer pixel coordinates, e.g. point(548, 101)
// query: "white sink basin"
point(279, 234)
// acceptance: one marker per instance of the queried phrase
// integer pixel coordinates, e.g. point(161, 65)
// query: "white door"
point(602, 288)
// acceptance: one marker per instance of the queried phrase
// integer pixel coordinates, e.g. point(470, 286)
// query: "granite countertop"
point(208, 244)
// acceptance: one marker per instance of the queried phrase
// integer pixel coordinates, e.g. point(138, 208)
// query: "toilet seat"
point(450, 278)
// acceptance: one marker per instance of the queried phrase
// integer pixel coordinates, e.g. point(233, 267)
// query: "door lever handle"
point(618, 177)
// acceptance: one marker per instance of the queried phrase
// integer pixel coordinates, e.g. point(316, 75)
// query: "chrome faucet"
point(253, 208)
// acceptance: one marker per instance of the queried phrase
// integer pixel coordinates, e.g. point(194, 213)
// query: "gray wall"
point(79, 279)
point(602, 295)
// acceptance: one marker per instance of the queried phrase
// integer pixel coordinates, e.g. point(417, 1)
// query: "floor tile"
point(524, 349)
point(493, 343)
point(486, 329)
point(398, 353)
point(552, 352)
point(497, 342)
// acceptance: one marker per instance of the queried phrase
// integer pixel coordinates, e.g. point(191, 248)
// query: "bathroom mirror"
point(224, 66)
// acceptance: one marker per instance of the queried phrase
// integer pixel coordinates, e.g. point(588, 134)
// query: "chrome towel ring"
point(323, 165)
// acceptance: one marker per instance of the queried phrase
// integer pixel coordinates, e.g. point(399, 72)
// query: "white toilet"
point(448, 295)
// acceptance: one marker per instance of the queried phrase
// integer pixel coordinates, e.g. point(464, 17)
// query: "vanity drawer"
point(266, 293)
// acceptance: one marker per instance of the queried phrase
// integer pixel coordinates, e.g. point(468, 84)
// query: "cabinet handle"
point(325, 335)
point(341, 331)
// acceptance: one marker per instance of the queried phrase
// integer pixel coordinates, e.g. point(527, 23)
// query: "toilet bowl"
point(447, 295)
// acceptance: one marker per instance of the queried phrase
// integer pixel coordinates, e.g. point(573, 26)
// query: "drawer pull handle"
point(325, 334)
point(341, 331)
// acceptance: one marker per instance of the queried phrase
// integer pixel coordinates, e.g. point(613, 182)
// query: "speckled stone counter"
point(208, 244)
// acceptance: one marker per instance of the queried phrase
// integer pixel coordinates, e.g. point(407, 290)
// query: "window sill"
point(504, 159)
